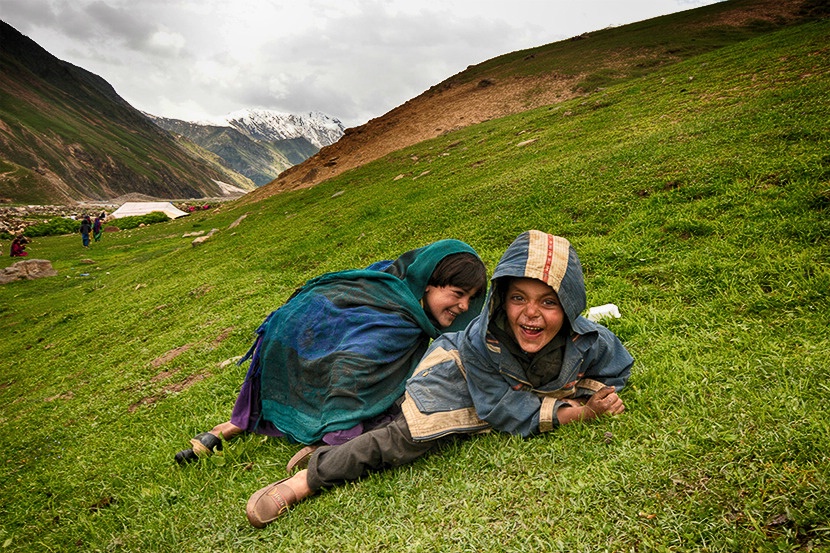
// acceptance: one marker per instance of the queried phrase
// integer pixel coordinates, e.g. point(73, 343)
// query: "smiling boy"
point(528, 363)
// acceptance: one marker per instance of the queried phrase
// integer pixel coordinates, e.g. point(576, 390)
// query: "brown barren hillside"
point(537, 77)
point(444, 108)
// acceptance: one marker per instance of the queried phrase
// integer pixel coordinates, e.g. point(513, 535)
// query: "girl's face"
point(445, 303)
point(533, 312)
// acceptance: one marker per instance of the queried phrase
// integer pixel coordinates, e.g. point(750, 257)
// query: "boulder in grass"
point(29, 269)
point(205, 238)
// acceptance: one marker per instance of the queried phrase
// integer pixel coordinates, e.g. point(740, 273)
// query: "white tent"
point(143, 208)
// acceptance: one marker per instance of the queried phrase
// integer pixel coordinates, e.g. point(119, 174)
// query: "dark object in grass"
point(204, 445)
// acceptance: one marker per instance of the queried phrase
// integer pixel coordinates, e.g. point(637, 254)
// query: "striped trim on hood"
point(551, 259)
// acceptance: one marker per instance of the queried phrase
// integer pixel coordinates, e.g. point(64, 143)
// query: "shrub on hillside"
point(53, 227)
point(134, 221)
point(60, 225)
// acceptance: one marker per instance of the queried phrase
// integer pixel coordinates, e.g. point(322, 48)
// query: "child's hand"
point(605, 402)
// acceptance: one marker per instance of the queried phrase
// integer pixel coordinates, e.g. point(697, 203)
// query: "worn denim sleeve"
point(607, 361)
point(437, 385)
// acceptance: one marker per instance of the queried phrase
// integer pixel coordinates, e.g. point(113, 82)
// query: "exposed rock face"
point(28, 269)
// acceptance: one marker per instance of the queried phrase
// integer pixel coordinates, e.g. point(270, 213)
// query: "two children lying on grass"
point(527, 364)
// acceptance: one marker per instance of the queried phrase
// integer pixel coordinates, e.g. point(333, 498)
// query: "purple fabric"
point(246, 411)
point(340, 437)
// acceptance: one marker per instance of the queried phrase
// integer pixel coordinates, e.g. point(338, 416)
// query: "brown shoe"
point(300, 459)
point(270, 503)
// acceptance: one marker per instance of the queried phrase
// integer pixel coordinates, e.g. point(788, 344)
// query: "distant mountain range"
point(316, 127)
point(259, 144)
point(66, 136)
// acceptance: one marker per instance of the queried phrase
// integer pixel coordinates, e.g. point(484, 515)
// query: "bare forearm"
point(574, 413)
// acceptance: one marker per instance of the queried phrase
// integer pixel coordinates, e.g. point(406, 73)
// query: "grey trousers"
point(386, 446)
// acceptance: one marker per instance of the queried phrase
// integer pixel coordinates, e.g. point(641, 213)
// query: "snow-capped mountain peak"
point(261, 124)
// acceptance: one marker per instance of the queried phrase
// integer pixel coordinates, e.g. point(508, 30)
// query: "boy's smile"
point(445, 303)
point(533, 312)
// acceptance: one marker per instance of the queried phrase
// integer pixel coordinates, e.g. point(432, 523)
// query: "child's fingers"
point(606, 400)
point(617, 406)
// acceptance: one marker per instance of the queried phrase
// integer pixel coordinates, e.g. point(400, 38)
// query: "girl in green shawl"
point(331, 362)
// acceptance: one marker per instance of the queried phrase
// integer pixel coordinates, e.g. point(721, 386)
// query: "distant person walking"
point(98, 226)
point(86, 228)
point(18, 248)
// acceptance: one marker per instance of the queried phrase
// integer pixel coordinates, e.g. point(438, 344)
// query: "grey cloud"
point(398, 56)
point(308, 94)
point(119, 24)
point(95, 24)
point(29, 13)
point(363, 57)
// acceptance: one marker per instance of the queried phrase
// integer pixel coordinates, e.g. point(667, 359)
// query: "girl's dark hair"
point(464, 270)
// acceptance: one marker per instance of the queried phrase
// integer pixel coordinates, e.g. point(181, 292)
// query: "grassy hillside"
point(548, 74)
point(698, 198)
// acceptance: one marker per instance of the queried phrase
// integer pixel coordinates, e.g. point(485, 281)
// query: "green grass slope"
point(606, 56)
point(548, 74)
point(698, 199)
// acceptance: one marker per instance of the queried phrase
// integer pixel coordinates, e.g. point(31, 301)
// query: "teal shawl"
point(340, 350)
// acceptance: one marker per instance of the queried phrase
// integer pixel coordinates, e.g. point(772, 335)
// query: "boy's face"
point(445, 303)
point(533, 312)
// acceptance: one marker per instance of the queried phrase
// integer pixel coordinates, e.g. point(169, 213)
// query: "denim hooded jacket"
point(469, 382)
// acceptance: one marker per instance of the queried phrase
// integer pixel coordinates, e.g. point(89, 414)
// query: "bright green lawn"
point(698, 198)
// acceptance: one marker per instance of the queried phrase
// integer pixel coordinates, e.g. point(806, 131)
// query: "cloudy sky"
point(352, 59)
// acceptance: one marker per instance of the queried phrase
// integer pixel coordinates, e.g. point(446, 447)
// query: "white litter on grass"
point(603, 311)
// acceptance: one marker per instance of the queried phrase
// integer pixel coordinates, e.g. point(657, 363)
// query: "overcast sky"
point(351, 59)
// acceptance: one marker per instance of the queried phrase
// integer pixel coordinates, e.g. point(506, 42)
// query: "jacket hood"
point(551, 259)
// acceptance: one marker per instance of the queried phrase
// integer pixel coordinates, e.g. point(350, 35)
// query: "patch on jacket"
point(430, 426)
